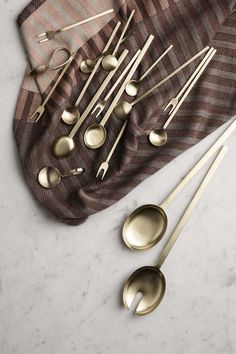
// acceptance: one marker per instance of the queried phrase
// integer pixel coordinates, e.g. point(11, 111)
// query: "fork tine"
point(44, 40)
point(104, 174)
point(39, 116)
point(99, 170)
point(172, 109)
point(41, 35)
point(167, 106)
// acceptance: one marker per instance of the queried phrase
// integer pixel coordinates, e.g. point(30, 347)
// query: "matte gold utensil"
point(50, 177)
point(105, 165)
point(40, 110)
point(72, 114)
point(102, 104)
point(158, 137)
point(123, 108)
point(149, 280)
point(147, 224)
point(64, 145)
point(51, 34)
point(41, 69)
point(109, 62)
point(95, 135)
point(133, 86)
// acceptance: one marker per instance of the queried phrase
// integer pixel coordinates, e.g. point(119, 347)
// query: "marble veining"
point(60, 287)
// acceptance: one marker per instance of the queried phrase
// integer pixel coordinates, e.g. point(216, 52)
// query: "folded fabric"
point(189, 25)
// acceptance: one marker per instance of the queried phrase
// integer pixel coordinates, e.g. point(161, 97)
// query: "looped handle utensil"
point(50, 177)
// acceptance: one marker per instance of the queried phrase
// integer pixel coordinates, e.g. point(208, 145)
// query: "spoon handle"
point(123, 33)
point(188, 212)
point(155, 63)
point(190, 84)
point(147, 93)
point(95, 69)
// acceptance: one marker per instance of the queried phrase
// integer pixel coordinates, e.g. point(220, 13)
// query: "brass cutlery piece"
point(133, 86)
point(41, 109)
point(41, 69)
point(95, 135)
point(149, 281)
point(105, 165)
point(50, 177)
point(159, 137)
point(123, 108)
point(51, 34)
point(146, 226)
point(102, 104)
point(109, 62)
point(87, 65)
point(64, 145)
point(72, 114)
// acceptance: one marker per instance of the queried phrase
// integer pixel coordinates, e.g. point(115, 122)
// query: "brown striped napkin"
point(189, 25)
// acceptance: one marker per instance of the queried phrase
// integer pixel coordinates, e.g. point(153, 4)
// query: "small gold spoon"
point(50, 177)
point(109, 62)
point(147, 224)
point(149, 280)
point(133, 86)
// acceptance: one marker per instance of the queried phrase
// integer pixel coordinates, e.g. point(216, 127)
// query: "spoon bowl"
point(122, 110)
point(132, 88)
point(41, 69)
point(150, 282)
point(158, 137)
point(109, 62)
point(95, 136)
point(49, 177)
point(144, 227)
point(70, 115)
point(63, 146)
point(87, 66)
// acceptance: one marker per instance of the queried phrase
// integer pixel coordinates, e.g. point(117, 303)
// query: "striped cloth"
point(189, 25)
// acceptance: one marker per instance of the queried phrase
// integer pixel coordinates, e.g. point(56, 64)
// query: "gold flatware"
point(87, 65)
point(95, 135)
point(105, 165)
point(102, 104)
point(149, 281)
point(133, 86)
point(41, 109)
point(41, 69)
point(123, 108)
point(159, 137)
point(147, 224)
point(51, 34)
point(64, 145)
point(109, 62)
point(50, 177)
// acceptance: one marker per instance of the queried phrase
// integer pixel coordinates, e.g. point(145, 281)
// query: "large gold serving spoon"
point(109, 62)
point(123, 108)
point(149, 281)
point(147, 224)
point(95, 135)
point(72, 114)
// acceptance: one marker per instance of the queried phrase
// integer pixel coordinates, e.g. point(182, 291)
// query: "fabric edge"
point(29, 10)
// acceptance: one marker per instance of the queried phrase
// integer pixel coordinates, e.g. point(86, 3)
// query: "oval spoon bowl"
point(63, 146)
point(95, 136)
point(49, 177)
point(70, 115)
point(158, 137)
point(132, 88)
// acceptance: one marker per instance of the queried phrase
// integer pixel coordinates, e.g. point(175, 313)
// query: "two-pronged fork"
point(51, 34)
point(105, 165)
point(102, 104)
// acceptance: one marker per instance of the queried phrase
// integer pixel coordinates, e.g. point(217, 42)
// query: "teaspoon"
point(149, 280)
point(50, 177)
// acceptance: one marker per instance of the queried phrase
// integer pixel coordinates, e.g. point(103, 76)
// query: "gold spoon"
point(109, 62)
point(149, 280)
point(50, 177)
point(159, 137)
point(72, 114)
point(147, 224)
point(64, 145)
point(123, 108)
point(133, 86)
point(95, 135)
point(41, 69)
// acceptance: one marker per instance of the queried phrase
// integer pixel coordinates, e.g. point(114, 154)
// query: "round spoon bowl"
point(109, 62)
point(39, 70)
point(87, 66)
point(49, 177)
point(158, 137)
point(145, 227)
point(122, 110)
point(132, 88)
point(95, 136)
point(70, 115)
point(63, 146)
point(150, 282)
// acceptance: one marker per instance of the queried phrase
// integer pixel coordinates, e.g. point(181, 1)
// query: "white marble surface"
point(60, 286)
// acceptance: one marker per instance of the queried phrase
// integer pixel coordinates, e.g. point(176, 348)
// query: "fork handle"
point(123, 33)
point(116, 142)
